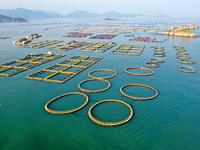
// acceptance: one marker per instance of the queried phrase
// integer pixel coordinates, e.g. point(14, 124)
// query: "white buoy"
point(50, 53)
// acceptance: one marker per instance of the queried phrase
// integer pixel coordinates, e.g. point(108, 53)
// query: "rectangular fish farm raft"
point(104, 36)
point(28, 62)
point(65, 70)
point(129, 50)
point(99, 47)
point(69, 46)
point(77, 35)
point(147, 39)
point(41, 44)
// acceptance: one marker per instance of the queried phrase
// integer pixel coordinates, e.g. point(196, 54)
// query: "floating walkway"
point(69, 46)
point(41, 44)
point(28, 62)
point(99, 47)
point(65, 70)
point(129, 50)
point(183, 57)
point(110, 123)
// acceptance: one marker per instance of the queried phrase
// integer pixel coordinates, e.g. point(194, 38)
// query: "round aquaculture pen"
point(159, 55)
point(183, 57)
point(187, 61)
point(157, 60)
point(159, 52)
point(94, 91)
point(137, 74)
point(181, 50)
point(182, 53)
point(110, 123)
point(99, 70)
point(66, 111)
point(189, 69)
point(152, 64)
point(139, 98)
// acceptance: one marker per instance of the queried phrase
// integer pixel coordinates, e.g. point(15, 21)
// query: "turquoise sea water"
point(169, 122)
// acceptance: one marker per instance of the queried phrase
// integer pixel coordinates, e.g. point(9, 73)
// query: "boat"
point(33, 36)
point(21, 41)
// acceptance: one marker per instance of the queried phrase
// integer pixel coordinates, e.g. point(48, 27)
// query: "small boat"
point(33, 36)
point(21, 41)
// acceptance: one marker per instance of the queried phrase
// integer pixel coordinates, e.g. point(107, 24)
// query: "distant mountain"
point(29, 14)
point(82, 14)
point(4, 18)
point(40, 14)
point(114, 14)
point(109, 14)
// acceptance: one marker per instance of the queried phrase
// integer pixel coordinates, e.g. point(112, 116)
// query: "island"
point(183, 31)
point(9, 19)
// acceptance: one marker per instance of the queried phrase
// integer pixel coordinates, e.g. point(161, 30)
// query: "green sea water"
point(171, 121)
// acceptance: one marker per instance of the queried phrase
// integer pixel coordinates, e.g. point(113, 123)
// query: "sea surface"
point(171, 121)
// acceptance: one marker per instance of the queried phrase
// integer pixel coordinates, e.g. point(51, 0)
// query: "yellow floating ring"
point(181, 50)
point(108, 70)
point(110, 123)
point(159, 60)
point(66, 111)
point(141, 68)
point(183, 57)
point(159, 52)
point(187, 61)
point(155, 65)
point(186, 67)
point(158, 55)
point(139, 98)
point(182, 53)
point(94, 91)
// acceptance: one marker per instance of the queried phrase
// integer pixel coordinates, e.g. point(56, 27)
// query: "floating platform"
point(99, 47)
point(129, 50)
point(28, 62)
point(41, 44)
point(104, 36)
point(147, 39)
point(65, 70)
point(69, 45)
point(77, 35)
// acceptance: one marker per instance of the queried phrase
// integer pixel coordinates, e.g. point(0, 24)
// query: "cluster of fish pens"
point(125, 49)
point(183, 57)
point(65, 70)
point(147, 39)
point(28, 62)
point(159, 51)
point(41, 44)
point(99, 47)
point(69, 46)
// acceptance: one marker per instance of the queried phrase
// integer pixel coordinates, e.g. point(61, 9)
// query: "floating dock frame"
point(65, 70)
point(125, 49)
point(41, 44)
point(99, 47)
point(28, 62)
point(69, 45)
